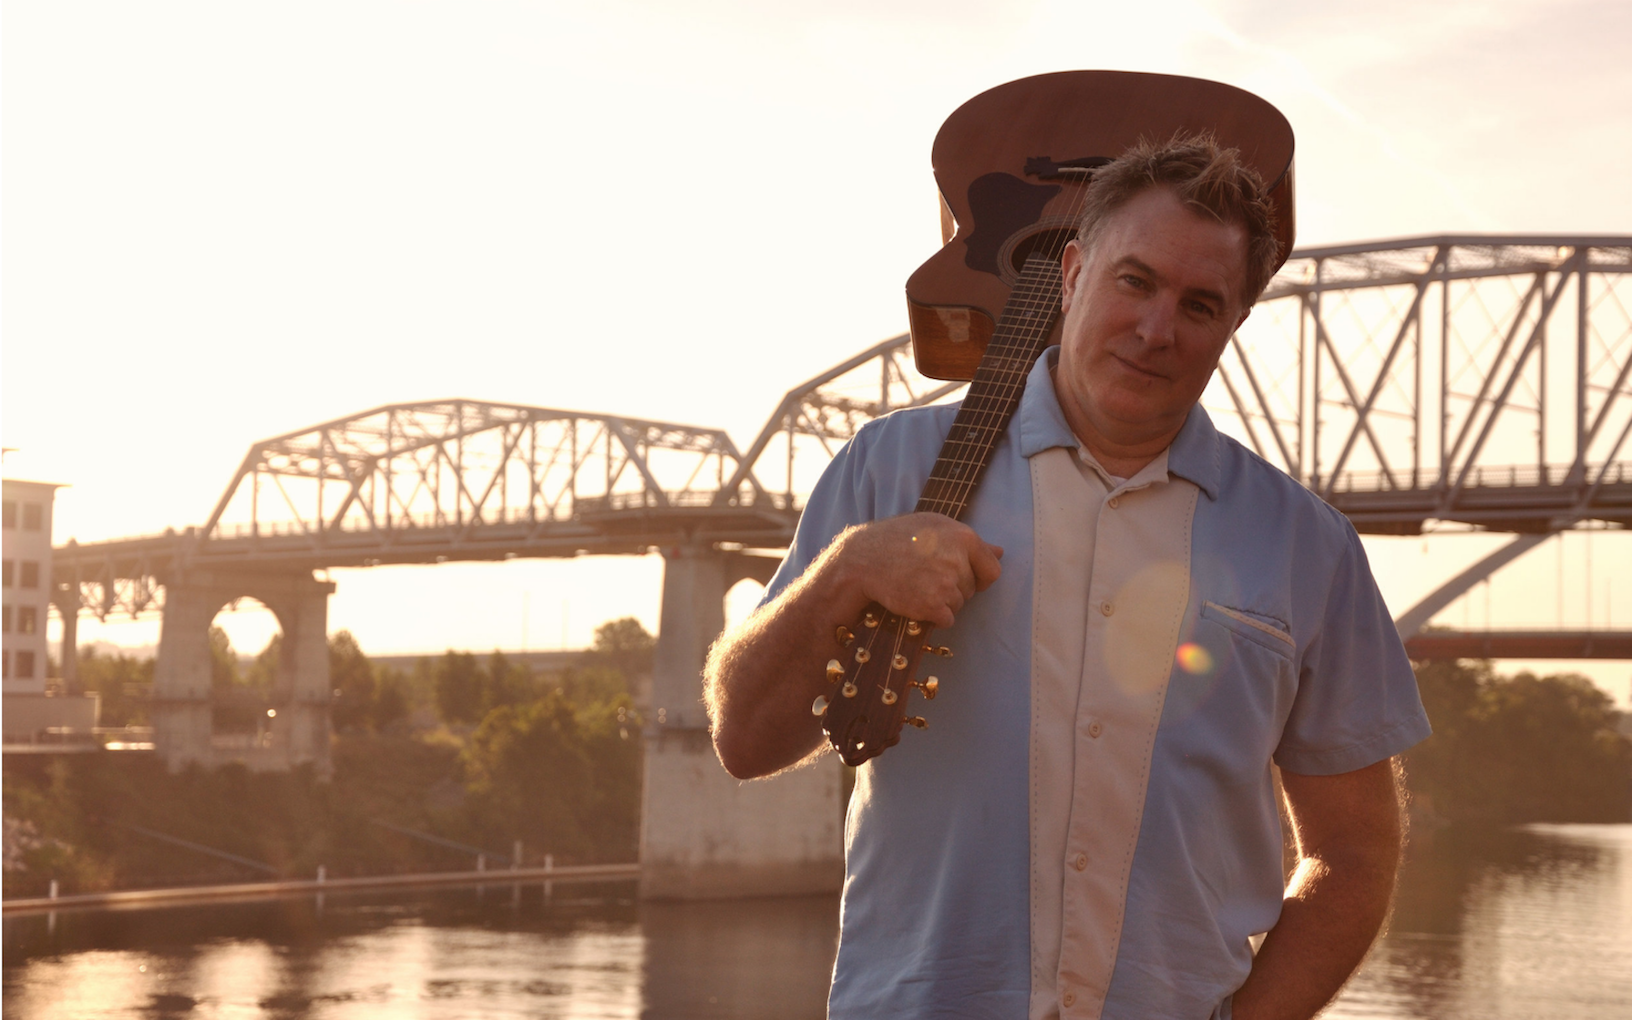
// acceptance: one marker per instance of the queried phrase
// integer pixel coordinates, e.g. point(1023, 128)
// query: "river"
point(1533, 922)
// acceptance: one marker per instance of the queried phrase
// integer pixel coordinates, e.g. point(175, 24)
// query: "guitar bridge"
point(1045, 169)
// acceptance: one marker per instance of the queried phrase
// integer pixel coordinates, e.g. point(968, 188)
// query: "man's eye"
point(1203, 308)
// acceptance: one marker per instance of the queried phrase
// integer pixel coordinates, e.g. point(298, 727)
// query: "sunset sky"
point(225, 221)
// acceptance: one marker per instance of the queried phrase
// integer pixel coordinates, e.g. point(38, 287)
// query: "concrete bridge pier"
point(182, 725)
point(705, 835)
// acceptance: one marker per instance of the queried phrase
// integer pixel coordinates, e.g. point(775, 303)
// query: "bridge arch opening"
point(247, 653)
point(740, 600)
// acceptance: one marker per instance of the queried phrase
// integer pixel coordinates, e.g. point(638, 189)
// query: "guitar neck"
point(995, 391)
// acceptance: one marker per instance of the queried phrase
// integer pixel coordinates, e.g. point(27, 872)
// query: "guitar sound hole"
point(1050, 242)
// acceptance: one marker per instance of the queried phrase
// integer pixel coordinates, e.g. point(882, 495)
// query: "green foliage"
point(393, 697)
point(223, 661)
point(352, 676)
point(460, 687)
point(124, 683)
point(625, 646)
point(1519, 749)
point(554, 762)
point(240, 698)
point(564, 778)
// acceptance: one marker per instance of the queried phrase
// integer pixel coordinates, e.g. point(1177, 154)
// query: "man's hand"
point(922, 566)
point(1348, 834)
point(762, 677)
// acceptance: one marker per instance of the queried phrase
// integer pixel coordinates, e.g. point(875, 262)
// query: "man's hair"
point(1207, 178)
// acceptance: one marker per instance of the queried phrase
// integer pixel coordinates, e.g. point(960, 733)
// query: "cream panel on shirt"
point(1111, 584)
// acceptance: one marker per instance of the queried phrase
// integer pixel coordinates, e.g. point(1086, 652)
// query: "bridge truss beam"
point(1475, 380)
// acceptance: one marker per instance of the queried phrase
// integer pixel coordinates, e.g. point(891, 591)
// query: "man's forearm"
point(1349, 836)
point(763, 677)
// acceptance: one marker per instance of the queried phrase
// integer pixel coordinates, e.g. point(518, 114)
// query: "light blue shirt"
point(1302, 665)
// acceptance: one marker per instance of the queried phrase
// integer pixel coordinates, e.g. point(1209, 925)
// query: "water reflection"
point(1534, 922)
point(1526, 923)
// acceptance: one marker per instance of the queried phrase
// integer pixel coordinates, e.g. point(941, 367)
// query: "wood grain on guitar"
point(996, 209)
point(1013, 165)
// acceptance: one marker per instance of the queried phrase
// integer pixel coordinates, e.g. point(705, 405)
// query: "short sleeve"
point(1357, 700)
point(877, 474)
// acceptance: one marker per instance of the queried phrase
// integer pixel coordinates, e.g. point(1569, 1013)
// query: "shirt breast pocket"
point(1250, 627)
point(1234, 684)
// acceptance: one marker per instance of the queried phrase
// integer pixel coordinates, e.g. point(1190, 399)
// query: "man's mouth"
point(1138, 369)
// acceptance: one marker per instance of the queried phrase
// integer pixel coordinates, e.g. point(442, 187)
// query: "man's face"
point(1147, 314)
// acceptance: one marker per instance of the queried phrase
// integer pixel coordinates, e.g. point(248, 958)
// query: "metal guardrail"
point(139, 899)
point(1490, 477)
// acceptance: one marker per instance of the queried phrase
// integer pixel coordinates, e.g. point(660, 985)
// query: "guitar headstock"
point(870, 680)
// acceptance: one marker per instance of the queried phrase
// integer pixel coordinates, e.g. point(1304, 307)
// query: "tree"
point(352, 677)
point(391, 701)
point(123, 683)
point(262, 677)
point(460, 688)
point(223, 661)
point(1519, 749)
point(624, 645)
point(563, 778)
point(507, 683)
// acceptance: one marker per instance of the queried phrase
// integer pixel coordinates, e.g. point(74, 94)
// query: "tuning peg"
point(869, 619)
point(863, 655)
point(843, 634)
point(918, 721)
point(930, 687)
point(818, 708)
point(941, 650)
point(835, 670)
point(899, 662)
point(848, 690)
point(888, 697)
point(914, 628)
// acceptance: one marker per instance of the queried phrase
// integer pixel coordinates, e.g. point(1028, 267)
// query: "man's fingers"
point(986, 565)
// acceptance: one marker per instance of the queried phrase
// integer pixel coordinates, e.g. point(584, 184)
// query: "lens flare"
point(1194, 659)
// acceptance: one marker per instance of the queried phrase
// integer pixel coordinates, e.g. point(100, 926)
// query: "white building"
point(26, 520)
point(35, 717)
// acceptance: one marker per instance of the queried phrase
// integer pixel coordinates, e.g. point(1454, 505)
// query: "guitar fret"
point(995, 391)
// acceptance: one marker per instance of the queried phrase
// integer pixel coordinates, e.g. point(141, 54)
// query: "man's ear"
point(1072, 262)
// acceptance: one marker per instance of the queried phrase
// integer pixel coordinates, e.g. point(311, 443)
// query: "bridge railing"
point(1486, 476)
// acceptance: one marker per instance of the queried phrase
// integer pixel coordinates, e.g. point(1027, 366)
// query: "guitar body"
point(994, 214)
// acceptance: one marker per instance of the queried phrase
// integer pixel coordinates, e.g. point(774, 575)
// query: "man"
point(1089, 826)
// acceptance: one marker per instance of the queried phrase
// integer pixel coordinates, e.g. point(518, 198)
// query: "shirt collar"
point(1194, 454)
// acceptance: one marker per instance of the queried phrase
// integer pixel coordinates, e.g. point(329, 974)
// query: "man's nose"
point(1156, 324)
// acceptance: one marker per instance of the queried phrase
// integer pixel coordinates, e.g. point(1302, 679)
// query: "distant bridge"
point(1417, 384)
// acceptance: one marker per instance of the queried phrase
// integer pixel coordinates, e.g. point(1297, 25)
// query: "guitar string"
point(1028, 317)
point(985, 412)
point(1001, 376)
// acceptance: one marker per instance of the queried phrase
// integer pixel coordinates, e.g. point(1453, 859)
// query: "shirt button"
point(1116, 501)
point(1095, 729)
point(1069, 998)
point(1080, 862)
point(1106, 607)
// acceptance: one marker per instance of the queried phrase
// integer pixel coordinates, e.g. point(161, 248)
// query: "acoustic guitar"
point(1013, 165)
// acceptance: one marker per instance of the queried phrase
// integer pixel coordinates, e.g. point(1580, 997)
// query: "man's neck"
point(1121, 452)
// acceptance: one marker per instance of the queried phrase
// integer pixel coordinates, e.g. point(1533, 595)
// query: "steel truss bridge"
point(1465, 382)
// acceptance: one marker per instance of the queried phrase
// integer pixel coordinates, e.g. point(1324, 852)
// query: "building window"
point(25, 665)
point(28, 621)
point(32, 517)
point(9, 571)
point(29, 575)
point(5, 619)
point(8, 513)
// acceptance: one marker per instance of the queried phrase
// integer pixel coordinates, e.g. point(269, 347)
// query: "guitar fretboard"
point(995, 391)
